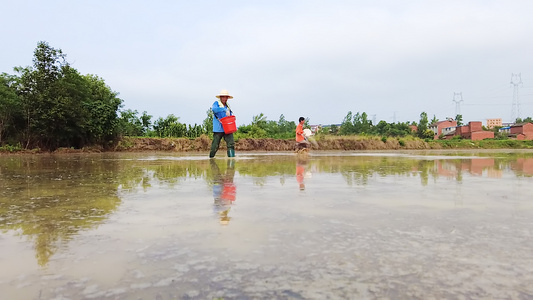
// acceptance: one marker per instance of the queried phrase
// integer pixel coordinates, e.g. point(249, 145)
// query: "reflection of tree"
point(50, 200)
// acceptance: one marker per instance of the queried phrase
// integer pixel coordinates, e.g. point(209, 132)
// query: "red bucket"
point(228, 123)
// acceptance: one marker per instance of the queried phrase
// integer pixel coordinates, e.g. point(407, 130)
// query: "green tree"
point(459, 119)
point(383, 128)
point(361, 124)
point(102, 106)
point(52, 94)
point(146, 122)
point(130, 124)
point(10, 108)
point(333, 129)
point(434, 120)
point(170, 127)
point(347, 126)
point(259, 120)
point(526, 120)
point(423, 130)
point(60, 107)
point(208, 122)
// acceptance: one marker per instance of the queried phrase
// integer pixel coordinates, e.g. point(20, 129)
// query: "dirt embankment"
point(203, 143)
point(328, 143)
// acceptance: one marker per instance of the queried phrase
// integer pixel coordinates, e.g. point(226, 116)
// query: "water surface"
point(369, 225)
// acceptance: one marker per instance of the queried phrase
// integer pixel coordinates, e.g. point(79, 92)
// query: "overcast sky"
point(318, 59)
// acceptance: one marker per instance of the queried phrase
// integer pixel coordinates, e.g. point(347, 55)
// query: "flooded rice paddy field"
point(352, 225)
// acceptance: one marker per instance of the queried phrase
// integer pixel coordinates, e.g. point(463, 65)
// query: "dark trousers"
point(230, 144)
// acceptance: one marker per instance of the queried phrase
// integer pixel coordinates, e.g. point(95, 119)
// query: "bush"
point(10, 148)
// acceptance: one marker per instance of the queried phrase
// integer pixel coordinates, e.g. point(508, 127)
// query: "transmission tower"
point(373, 120)
point(516, 81)
point(457, 98)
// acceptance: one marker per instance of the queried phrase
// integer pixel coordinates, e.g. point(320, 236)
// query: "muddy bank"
point(327, 143)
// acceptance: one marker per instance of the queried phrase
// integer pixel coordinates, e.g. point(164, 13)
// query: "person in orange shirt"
point(301, 141)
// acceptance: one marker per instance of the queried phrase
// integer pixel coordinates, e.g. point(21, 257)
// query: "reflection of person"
point(301, 142)
point(300, 171)
point(221, 109)
point(224, 190)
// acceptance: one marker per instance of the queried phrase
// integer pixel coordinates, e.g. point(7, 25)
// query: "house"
point(506, 129)
point(474, 131)
point(522, 131)
point(497, 122)
point(439, 126)
point(449, 130)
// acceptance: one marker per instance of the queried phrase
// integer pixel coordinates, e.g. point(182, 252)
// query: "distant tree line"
point(50, 105)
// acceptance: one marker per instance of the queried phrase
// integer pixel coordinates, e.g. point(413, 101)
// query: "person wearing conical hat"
point(221, 109)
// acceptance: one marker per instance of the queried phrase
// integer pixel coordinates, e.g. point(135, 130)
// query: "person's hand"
point(227, 112)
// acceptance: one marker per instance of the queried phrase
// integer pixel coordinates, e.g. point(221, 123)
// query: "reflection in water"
point(403, 237)
point(50, 200)
point(300, 172)
point(224, 190)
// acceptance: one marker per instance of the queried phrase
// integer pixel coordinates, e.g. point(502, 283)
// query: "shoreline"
point(325, 143)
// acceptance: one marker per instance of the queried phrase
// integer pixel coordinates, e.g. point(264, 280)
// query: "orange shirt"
point(299, 133)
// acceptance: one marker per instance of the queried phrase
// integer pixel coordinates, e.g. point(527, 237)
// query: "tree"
point(347, 126)
point(423, 131)
point(285, 129)
point(526, 120)
point(130, 124)
point(10, 108)
point(334, 129)
point(61, 108)
point(434, 120)
point(361, 124)
point(146, 122)
point(208, 122)
point(459, 119)
point(102, 122)
point(259, 120)
point(170, 127)
point(382, 128)
point(51, 94)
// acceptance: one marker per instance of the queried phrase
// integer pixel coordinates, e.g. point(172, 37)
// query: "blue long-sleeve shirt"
point(219, 111)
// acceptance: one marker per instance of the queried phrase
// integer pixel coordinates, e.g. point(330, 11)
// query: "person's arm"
point(219, 112)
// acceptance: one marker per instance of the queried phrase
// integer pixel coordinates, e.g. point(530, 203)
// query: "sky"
point(318, 59)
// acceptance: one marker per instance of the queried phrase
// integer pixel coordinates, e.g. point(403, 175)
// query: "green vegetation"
point(483, 144)
point(50, 105)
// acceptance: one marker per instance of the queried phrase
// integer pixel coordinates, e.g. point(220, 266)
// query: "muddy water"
point(397, 225)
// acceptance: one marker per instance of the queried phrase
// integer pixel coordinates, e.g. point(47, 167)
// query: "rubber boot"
point(231, 152)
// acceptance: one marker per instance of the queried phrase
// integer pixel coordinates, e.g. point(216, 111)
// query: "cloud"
point(314, 58)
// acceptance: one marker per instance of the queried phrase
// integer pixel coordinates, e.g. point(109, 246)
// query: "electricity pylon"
point(457, 98)
point(516, 81)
